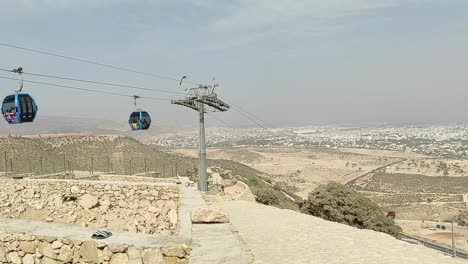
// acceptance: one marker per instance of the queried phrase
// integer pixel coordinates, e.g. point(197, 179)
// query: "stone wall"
point(27, 249)
point(138, 208)
point(127, 178)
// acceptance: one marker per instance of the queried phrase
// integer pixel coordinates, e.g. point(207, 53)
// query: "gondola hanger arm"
point(20, 72)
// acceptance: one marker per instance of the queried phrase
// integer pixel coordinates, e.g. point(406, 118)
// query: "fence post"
point(42, 167)
point(11, 165)
point(92, 166)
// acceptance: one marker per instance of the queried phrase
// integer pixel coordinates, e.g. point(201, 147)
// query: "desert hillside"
point(45, 154)
point(54, 153)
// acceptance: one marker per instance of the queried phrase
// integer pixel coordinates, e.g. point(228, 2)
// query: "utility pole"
point(453, 241)
point(196, 99)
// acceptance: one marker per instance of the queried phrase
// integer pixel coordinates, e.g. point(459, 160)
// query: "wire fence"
point(44, 164)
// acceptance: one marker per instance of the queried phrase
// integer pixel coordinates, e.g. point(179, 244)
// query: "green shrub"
point(266, 196)
point(338, 203)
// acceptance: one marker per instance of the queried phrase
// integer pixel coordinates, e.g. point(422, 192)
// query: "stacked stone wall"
point(28, 249)
point(138, 208)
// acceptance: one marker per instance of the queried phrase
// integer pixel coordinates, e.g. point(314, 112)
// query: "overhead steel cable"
point(221, 121)
point(94, 63)
point(86, 89)
point(241, 111)
point(245, 111)
point(96, 82)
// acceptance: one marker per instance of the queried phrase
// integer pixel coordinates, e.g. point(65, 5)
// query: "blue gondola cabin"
point(19, 108)
point(139, 120)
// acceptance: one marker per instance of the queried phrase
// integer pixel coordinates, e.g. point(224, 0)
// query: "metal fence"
point(43, 164)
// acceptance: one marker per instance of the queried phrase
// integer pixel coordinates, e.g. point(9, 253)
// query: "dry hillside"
point(83, 152)
point(119, 154)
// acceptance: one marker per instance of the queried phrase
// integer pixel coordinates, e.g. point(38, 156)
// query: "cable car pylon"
point(196, 99)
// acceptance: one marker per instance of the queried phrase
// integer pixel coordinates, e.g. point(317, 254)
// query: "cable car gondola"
point(19, 107)
point(139, 120)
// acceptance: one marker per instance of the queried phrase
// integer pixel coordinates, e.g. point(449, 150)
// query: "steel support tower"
point(196, 99)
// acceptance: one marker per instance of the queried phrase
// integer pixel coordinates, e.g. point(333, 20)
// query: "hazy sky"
point(288, 62)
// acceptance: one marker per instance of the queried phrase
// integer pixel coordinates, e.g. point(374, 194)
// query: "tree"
point(266, 196)
point(338, 203)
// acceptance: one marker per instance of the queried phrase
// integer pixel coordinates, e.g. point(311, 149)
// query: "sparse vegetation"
point(253, 179)
point(414, 183)
point(338, 203)
point(267, 196)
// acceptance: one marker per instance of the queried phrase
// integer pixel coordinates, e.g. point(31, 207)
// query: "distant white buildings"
point(442, 141)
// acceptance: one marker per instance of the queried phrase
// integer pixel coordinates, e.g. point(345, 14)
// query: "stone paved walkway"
point(216, 244)
point(277, 236)
point(211, 243)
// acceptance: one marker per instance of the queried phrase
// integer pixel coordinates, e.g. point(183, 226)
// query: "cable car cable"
point(123, 69)
point(129, 70)
point(95, 63)
point(95, 82)
point(245, 111)
point(86, 89)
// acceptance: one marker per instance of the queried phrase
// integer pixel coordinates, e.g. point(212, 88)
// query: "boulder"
point(3, 252)
point(28, 259)
point(115, 248)
point(47, 260)
point(209, 215)
point(88, 201)
point(172, 260)
point(57, 244)
point(65, 254)
point(28, 247)
point(174, 250)
point(14, 258)
point(89, 252)
point(46, 249)
point(75, 189)
point(153, 256)
point(119, 258)
point(134, 256)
